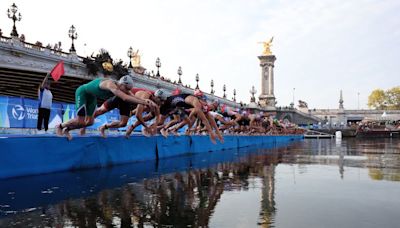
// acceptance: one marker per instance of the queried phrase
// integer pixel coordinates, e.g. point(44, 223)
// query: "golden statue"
point(136, 59)
point(267, 46)
point(107, 66)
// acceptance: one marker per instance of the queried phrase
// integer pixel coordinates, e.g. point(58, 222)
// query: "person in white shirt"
point(45, 101)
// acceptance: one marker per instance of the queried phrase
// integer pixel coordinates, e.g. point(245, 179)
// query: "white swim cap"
point(126, 80)
point(160, 94)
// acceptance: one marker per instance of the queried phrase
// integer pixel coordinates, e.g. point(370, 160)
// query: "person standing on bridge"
point(45, 101)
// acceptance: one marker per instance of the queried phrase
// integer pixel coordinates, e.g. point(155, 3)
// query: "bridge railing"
point(37, 47)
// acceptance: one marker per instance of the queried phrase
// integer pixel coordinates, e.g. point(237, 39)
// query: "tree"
point(389, 99)
point(393, 98)
point(377, 99)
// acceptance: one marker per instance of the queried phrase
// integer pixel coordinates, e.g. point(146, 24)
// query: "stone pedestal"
point(267, 97)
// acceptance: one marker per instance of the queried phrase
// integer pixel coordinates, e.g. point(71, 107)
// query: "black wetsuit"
point(123, 106)
point(225, 114)
point(173, 102)
point(244, 121)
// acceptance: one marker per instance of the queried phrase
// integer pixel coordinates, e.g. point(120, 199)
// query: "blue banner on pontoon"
point(19, 112)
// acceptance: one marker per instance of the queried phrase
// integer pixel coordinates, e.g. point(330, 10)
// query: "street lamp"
point(212, 87)
point(358, 100)
point(253, 91)
point(12, 14)
point(73, 35)
point(293, 96)
point(197, 81)
point(180, 74)
point(224, 89)
point(158, 65)
point(234, 94)
point(129, 53)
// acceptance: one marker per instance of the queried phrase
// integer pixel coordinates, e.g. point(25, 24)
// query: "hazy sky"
point(321, 46)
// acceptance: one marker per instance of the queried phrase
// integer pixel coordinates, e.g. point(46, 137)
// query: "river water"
point(310, 183)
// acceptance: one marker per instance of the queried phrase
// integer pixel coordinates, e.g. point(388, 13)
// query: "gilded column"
point(267, 60)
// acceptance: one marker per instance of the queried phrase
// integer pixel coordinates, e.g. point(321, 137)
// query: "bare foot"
point(145, 132)
point(59, 130)
point(153, 129)
point(102, 130)
point(174, 133)
point(220, 138)
point(82, 131)
point(128, 132)
point(65, 132)
point(164, 132)
point(212, 138)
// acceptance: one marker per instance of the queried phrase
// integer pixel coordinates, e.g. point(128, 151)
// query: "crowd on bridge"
point(159, 113)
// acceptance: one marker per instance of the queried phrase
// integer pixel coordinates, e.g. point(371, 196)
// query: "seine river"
point(310, 183)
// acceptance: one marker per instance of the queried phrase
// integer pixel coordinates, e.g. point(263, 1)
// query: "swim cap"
point(160, 94)
point(126, 80)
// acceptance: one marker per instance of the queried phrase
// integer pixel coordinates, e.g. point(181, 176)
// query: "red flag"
point(58, 71)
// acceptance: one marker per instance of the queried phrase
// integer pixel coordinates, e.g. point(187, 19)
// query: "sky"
point(321, 46)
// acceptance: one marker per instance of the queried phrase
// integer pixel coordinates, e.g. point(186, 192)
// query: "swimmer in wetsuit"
point(86, 101)
point(124, 110)
point(176, 107)
point(186, 101)
point(157, 97)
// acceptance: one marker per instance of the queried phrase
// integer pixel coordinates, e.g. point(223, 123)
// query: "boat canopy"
point(382, 118)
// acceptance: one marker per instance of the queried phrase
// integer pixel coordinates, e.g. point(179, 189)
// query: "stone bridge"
point(24, 65)
point(345, 116)
point(295, 116)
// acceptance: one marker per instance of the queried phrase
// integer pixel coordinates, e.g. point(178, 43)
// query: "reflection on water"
point(313, 183)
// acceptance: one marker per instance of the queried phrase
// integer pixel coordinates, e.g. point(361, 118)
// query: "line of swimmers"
point(183, 109)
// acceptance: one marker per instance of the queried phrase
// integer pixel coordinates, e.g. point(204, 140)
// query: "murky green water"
point(312, 183)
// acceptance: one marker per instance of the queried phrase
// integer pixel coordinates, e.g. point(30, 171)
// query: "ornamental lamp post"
point(73, 35)
point(179, 74)
point(212, 87)
point(224, 89)
point(129, 53)
point(253, 91)
point(294, 89)
point(158, 65)
point(12, 14)
point(234, 95)
point(197, 81)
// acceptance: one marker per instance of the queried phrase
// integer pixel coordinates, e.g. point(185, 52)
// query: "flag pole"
point(44, 80)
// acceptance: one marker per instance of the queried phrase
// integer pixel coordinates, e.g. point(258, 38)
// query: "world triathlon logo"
point(18, 112)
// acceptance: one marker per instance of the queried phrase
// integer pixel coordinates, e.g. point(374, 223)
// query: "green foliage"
point(377, 99)
point(389, 99)
point(120, 69)
point(393, 98)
